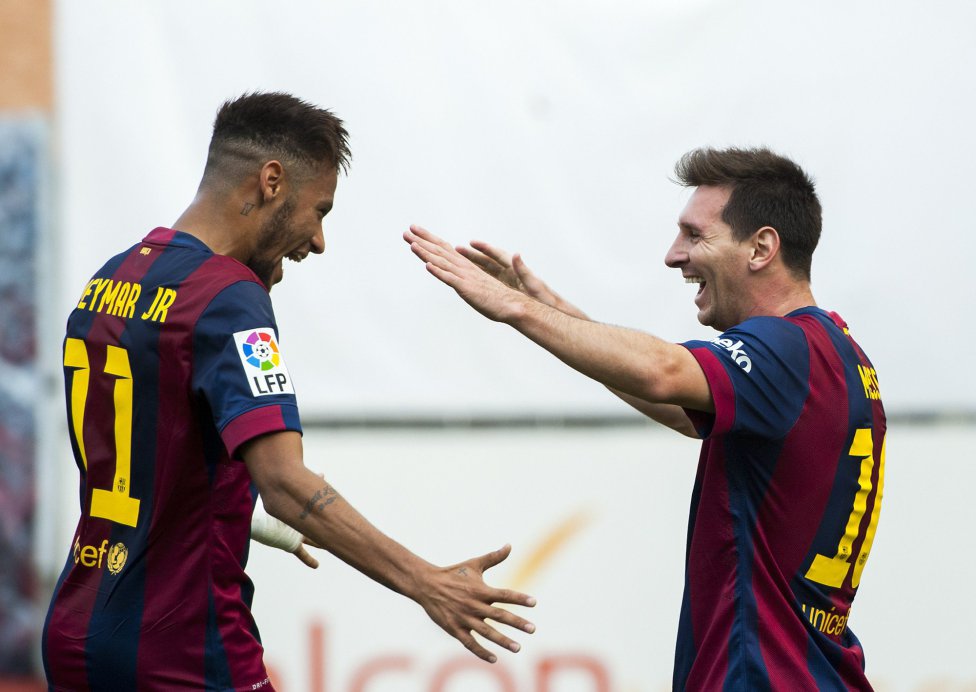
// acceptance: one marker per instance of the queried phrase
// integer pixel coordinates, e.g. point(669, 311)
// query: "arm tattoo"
point(319, 501)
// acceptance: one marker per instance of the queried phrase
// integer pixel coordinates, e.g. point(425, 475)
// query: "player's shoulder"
point(765, 329)
point(201, 267)
point(764, 339)
point(237, 302)
point(218, 272)
point(221, 283)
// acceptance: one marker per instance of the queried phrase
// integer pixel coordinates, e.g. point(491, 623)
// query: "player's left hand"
point(460, 602)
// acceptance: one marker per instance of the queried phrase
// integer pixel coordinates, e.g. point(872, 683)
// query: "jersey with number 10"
point(785, 507)
point(171, 363)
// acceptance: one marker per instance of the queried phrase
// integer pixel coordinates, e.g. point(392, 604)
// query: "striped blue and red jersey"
point(784, 510)
point(171, 363)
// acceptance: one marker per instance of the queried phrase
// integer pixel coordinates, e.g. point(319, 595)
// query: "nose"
point(677, 254)
point(317, 242)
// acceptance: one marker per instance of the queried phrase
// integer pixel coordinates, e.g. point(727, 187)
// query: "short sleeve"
point(239, 369)
point(758, 373)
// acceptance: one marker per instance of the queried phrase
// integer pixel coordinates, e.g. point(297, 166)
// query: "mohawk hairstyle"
point(261, 126)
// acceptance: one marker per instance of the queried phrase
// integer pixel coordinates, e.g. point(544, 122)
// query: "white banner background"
point(548, 128)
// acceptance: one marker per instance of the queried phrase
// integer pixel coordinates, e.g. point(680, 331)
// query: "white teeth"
point(694, 280)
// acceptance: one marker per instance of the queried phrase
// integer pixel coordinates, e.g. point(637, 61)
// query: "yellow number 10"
point(115, 504)
point(831, 571)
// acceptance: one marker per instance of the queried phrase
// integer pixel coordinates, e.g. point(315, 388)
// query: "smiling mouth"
point(295, 256)
point(696, 280)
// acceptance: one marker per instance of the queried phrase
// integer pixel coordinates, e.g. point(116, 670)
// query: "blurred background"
point(549, 129)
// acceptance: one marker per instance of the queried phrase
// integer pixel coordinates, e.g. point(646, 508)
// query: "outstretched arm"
point(631, 362)
point(454, 597)
point(513, 272)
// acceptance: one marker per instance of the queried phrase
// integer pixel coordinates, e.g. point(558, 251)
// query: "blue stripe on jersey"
point(823, 671)
point(766, 359)
point(748, 480)
point(216, 669)
point(685, 650)
point(293, 421)
point(113, 667)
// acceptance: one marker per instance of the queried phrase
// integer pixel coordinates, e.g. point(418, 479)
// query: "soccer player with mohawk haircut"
point(181, 410)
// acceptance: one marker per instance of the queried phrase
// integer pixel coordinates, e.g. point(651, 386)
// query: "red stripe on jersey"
point(723, 396)
point(798, 493)
point(251, 424)
point(712, 615)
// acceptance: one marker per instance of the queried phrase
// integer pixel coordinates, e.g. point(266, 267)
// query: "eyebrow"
point(685, 226)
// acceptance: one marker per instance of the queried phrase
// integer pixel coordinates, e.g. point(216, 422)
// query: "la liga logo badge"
point(263, 363)
point(261, 351)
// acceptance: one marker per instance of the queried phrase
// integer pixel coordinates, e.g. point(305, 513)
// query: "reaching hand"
point(460, 602)
point(486, 294)
point(497, 263)
point(513, 272)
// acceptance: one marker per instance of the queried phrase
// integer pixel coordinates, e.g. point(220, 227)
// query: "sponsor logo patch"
point(96, 556)
point(735, 350)
point(263, 363)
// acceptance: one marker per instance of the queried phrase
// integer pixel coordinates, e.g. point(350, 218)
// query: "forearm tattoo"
point(320, 500)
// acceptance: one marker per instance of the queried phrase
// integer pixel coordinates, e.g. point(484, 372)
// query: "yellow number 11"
point(831, 571)
point(115, 504)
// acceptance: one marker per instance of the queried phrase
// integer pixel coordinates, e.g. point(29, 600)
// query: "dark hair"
point(258, 127)
point(766, 190)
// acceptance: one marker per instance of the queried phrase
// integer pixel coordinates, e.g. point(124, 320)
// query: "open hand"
point(513, 272)
point(496, 262)
point(482, 291)
point(460, 602)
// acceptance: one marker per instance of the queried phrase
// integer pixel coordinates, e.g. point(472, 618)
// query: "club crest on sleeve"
point(263, 363)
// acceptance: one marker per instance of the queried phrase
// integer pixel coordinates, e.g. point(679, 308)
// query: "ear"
point(765, 247)
point(271, 181)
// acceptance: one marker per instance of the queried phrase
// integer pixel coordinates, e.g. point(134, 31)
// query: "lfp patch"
point(263, 362)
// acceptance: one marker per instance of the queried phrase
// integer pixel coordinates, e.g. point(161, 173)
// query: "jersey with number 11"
point(171, 363)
